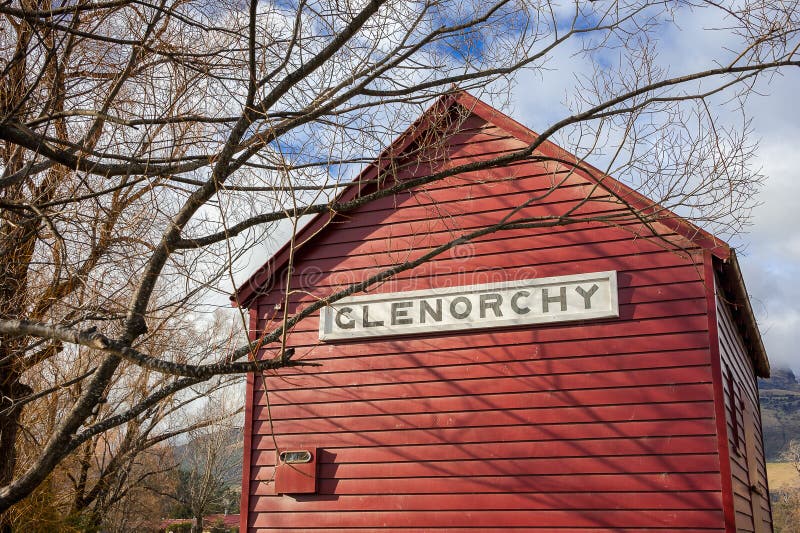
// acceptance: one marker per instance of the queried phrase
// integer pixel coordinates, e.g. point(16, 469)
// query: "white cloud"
point(770, 251)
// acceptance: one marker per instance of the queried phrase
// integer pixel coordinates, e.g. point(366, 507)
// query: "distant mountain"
point(780, 411)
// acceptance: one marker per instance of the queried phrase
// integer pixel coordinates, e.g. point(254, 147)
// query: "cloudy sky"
point(769, 251)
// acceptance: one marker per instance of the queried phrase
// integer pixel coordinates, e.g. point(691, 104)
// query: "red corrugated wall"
point(743, 421)
point(594, 426)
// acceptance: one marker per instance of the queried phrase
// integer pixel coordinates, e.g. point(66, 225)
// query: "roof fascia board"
point(248, 289)
point(732, 284)
point(681, 226)
point(718, 248)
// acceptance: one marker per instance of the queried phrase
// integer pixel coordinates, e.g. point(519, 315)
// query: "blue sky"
point(769, 251)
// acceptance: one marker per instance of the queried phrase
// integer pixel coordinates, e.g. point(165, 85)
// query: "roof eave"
point(733, 284)
point(249, 289)
point(718, 248)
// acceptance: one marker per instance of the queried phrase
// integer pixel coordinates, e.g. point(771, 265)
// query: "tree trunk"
point(14, 277)
point(197, 527)
point(11, 390)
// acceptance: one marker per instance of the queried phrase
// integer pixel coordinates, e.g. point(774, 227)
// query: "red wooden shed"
point(595, 375)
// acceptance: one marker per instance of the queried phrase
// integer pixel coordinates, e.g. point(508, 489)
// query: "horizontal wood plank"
point(492, 519)
point(611, 447)
point(696, 374)
point(515, 433)
point(515, 501)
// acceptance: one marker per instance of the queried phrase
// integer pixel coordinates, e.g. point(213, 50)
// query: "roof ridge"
point(250, 287)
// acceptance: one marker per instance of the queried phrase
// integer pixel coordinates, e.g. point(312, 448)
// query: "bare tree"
point(139, 503)
point(211, 460)
point(147, 145)
point(786, 499)
point(117, 468)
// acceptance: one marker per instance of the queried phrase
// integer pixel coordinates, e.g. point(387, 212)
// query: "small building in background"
point(594, 373)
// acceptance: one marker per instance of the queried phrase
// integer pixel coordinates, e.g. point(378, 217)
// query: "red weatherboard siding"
point(608, 424)
point(737, 365)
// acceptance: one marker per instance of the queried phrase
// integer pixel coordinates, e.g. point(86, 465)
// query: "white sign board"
point(493, 305)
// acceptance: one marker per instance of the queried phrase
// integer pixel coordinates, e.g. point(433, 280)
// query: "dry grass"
point(782, 476)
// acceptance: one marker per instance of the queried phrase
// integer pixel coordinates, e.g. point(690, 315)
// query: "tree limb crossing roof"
point(724, 257)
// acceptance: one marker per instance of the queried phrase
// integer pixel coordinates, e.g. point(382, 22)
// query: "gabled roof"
point(718, 249)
